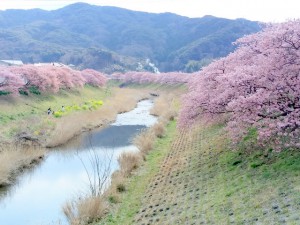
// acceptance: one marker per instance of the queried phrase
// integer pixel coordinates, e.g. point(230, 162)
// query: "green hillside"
point(114, 39)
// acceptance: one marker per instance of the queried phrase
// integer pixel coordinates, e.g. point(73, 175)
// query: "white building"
point(11, 62)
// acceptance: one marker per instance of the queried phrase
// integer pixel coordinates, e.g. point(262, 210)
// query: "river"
point(38, 195)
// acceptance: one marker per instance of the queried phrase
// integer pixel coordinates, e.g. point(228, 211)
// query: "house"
point(11, 63)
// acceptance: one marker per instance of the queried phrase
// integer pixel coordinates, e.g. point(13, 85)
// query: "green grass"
point(233, 186)
point(130, 201)
point(15, 111)
point(244, 186)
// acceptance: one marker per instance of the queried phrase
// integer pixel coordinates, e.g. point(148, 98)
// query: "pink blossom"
point(258, 85)
point(93, 77)
point(47, 78)
point(147, 77)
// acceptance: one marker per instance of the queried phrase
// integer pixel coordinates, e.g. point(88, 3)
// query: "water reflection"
point(114, 136)
point(39, 194)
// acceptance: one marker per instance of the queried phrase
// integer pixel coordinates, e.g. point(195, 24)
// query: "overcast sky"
point(260, 10)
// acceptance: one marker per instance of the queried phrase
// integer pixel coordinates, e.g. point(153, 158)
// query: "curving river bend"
point(38, 195)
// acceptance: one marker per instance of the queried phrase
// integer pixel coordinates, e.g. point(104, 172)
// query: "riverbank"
point(195, 178)
point(91, 207)
point(120, 101)
point(30, 129)
point(15, 161)
point(25, 119)
point(115, 100)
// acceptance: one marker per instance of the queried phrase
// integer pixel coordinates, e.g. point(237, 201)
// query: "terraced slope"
point(180, 193)
point(202, 182)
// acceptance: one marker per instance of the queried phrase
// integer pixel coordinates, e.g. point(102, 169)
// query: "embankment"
point(27, 128)
point(15, 161)
point(122, 100)
point(25, 120)
point(198, 179)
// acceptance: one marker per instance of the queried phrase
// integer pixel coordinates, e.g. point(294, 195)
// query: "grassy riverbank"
point(25, 123)
point(119, 101)
point(86, 209)
point(188, 178)
point(25, 118)
point(195, 178)
point(137, 185)
point(28, 114)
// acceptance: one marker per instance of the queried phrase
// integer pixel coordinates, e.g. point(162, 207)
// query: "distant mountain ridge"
point(115, 39)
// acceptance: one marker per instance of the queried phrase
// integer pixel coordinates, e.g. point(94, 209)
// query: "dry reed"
point(160, 105)
point(159, 129)
point(118, 185)
point(145, 141)
point(13, 161)
point(128, 162)
point(164, 107)
point(85, 210)
point(169, 115)
point(117, 181)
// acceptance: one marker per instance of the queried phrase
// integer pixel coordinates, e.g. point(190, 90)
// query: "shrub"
point(4, 93)
point(34, 90)
point(120, 187)
point(114, 199)
point(22, 92)
point(99, 103)
point(170, 115)
point(85, 210)
point(128, 162)
point(144, 141)
point(76, 107)
point(85, 107)
point(159, 129)
point(117, 183)
point(57, 114)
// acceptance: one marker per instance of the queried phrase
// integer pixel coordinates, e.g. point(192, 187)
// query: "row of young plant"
point(255, 89)
point(46, 78)
point(88, 105)
point(102, 199)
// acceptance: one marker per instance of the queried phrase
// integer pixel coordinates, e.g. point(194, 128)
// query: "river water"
point(38, 195)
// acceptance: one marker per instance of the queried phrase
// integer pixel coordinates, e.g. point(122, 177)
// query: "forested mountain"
point(114, 39)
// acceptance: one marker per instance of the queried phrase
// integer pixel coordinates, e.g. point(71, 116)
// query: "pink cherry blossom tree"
point(93, 77)
point(31, 76)
point(10, 82)
point(257, 86)
point(48, 78)
point(147, 77)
